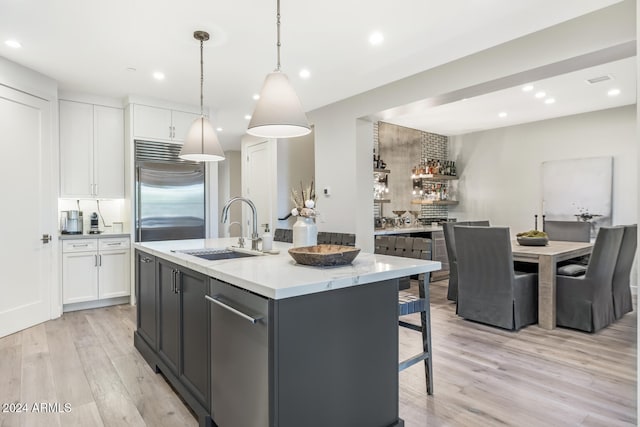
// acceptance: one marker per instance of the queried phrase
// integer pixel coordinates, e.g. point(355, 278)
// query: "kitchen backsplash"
point(111, 210)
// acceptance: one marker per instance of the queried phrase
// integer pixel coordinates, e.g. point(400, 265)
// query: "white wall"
point(337, 135)
point(500, 175)
point(229, 185)
point(296, 163)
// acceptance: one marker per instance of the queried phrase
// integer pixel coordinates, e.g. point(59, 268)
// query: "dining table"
point(547, 258)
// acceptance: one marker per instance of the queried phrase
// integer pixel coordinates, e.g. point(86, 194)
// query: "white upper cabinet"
point(91, 150)
point(161, 124)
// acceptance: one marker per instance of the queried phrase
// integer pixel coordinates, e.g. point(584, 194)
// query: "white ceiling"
point(87, 46)
point(572, 93)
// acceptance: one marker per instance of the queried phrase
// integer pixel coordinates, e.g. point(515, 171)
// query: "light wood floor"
point(483, 376)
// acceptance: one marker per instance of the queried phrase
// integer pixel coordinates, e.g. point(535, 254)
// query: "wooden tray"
point(324, 255)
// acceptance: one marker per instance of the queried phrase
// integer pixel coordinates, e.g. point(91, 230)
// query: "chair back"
point(622, 302)
point(568, 231)
point(605, 255)
point(345, 239)
point(485, 263)
point(283, 235)
point(450, 245)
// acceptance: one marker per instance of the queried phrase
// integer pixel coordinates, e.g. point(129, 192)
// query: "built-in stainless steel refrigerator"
point(170, 195)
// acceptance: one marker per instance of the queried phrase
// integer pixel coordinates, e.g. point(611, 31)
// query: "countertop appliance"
point(94, 227)
point(170, 194)
point(71, 222)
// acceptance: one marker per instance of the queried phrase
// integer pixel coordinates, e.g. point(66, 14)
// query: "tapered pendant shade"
point(278, 113)
point(201, 144)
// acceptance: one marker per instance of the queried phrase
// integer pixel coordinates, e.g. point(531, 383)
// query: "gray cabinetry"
point(146, 295)
point(314, 360)
point(194, 333)
point(173, 328)
point(169, 314)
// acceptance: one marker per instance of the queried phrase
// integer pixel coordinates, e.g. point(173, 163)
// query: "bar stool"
point(408, 303)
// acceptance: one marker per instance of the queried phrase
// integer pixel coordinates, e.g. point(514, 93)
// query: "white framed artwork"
point(578, 190)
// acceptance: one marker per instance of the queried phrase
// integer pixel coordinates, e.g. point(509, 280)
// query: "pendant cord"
point(201, 78)
point(278, 26)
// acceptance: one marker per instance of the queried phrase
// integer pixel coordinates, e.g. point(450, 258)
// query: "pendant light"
point(278, 113)
point(201, 144)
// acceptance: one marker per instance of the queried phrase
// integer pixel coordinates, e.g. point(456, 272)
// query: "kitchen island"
point(263, 341)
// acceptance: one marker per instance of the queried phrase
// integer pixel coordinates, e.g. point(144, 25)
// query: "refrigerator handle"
point(138, 206)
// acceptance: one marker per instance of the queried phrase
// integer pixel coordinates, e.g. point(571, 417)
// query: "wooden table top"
point(557, 249)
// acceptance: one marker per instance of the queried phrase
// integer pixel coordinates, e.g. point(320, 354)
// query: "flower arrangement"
point(305, 201)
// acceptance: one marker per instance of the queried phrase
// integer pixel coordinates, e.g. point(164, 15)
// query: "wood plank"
point(10, 378)
point(70, 381)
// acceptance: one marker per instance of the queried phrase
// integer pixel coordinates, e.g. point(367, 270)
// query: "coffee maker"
point(94, 224)
point(71, 222)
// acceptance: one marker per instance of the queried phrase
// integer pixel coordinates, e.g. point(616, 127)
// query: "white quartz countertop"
point(403, 230)
point(277, 276)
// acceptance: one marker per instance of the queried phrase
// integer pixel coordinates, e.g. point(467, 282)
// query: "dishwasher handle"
point(215, 300)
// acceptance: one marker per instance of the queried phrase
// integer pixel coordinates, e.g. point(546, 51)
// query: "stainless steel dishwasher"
point(239, 356)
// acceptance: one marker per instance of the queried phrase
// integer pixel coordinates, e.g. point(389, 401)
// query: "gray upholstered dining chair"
point(585, 302)
point(489, 289)
point(450, 244)
point(621, 290)
point(568, 231)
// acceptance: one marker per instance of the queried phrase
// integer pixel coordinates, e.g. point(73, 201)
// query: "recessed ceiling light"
point(158, 75)
point(376, 38)
point(502, 115)
point(550, 101)
point(614, 92)
point(219, 129)
point(540, 94)
point(527, 88)
point(305, 74)
point(13, 43)
point(256, 96)
point(247, 117)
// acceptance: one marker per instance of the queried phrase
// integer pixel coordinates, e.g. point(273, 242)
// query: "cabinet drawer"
point(117, 243)
point(80, 245)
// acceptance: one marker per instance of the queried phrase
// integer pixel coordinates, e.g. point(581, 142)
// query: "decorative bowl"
point(533, 241)
point(324, 255)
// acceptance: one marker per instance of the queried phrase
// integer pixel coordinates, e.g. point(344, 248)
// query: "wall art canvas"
point(578, 190)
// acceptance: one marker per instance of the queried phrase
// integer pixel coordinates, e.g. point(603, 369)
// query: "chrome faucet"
point(254, 235)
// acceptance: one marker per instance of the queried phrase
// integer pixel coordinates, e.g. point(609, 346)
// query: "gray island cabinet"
point(261, 341)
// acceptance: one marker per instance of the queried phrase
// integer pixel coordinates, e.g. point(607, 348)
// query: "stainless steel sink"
point(216, 254)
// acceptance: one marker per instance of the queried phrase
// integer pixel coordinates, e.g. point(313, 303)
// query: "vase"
point(305, 232)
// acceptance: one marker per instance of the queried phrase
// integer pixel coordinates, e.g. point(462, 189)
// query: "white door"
point(79, 277)
point(76, 149)
point(109, 152)
point(259, 185)
point(114, 274)
point(29, 211)
point(152, 123)
point(182, 122)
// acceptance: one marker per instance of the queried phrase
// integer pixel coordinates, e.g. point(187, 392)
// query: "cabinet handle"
point(216, 301)
point(99, 260)
point(178, 282)
point(114, 244)
point(170, 131)
point(95, 260)
point(173, 281)
point(145, 259)
point(95, 189)
point(80, 246)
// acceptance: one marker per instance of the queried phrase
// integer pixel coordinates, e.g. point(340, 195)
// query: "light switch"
point(326, 191)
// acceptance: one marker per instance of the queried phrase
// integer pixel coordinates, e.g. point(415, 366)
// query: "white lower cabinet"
point(95, 269)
